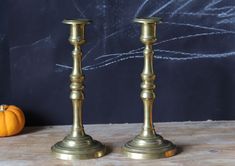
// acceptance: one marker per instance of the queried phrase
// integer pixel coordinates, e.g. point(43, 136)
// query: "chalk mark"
point(181, 7)
point(78, 9)
point(46, 39)
point(90, 50)
point(161, 8)
point(198, 26)
point(140, 8)
point(102, 40)
point(184, 37)
point(220, 15)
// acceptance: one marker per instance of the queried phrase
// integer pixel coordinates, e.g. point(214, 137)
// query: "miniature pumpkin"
point(12, 120)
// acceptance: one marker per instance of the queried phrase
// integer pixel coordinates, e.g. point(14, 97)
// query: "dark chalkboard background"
point(194, 63)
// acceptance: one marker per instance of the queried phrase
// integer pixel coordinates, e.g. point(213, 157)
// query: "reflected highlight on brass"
point(77, 145)
point(148, 144)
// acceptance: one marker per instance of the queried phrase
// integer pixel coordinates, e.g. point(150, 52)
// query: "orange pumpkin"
point(12, 120)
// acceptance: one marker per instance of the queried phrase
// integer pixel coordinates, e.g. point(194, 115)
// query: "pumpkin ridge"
point(18, 121)
point(16, 112)
point(4, 122)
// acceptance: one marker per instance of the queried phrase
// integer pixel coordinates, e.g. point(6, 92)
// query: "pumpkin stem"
point(2, 108)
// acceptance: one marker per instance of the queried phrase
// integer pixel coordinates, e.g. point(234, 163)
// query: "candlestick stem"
point(148, 144)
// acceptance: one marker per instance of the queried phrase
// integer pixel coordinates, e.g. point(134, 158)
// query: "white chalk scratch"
point(92, 67)
point(64, 66)
point(89, 51)
point(184, 37)
point(102, 40)
point(219, 15)
point(140, 8)
point(78, 9)
point(161, 8)
point(181, 7)
point(227, 21)
point(114, 33)
point(198, 26)
point(115, 54)
point(47, 39)
point(212, 6)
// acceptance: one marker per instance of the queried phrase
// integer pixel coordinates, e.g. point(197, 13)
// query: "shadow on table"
point(179, 149)
point(109, 149)
point(29, 130)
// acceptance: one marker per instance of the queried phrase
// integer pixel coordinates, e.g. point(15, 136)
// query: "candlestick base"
point(153, 147)
point(82, 147)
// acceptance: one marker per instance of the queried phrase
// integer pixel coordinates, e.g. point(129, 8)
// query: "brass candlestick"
point(148, 144)
point(77, 145)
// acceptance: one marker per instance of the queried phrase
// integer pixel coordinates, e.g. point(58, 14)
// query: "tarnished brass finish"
point(148, 144)
point(77, 145)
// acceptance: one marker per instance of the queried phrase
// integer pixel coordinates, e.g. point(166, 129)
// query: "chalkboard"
point(194, 59)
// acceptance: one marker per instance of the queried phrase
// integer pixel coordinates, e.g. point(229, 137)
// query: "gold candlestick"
point(148, 144)
point(77, 145)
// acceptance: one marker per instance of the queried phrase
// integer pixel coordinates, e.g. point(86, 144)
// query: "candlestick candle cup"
point(77, 145)
point(148, 144)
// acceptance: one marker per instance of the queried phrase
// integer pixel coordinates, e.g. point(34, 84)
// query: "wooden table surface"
point(202, 143)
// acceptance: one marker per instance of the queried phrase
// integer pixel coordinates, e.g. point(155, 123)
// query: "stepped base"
point(149, 148)
point(78, 148)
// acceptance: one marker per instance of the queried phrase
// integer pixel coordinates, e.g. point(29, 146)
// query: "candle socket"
point(77, 145)
point(148, 144)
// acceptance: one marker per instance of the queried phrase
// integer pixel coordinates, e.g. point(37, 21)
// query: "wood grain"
point(201, 143)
